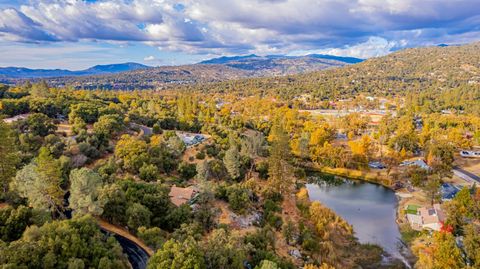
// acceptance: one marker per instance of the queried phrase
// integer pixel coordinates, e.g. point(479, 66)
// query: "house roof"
point(431, 215)
point(425, 217)
point(449, 191)
point(179, 196)
point(419, 162)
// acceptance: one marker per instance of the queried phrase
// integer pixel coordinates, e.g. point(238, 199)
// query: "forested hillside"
point(443, 78)
point(214, 70)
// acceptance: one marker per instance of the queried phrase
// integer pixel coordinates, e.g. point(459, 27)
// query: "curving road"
point(136, 255)
point(145, 130)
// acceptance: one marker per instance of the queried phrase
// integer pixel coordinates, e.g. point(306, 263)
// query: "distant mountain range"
point(253, 58)
point(129, 76)
point(21, 72)
point(282, 64)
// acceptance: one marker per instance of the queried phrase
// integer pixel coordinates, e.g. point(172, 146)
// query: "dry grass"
point(374, 176)
point(469, 164)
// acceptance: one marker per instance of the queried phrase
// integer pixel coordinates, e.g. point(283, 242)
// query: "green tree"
point(223, 251)
point(132, 151)
point(176, 145)
point(417, 175)
point(266, 264)
point(39, 124)
point(432, 188)
point(178, 255)
point(40, 182)
point(60, 244)
point(40, 90)
point(232, 162)
point(114, 203)
point(84, 192)
point(202, 170)
point(279, 170)
point(108, 125)
point(187, 170)
point(9, 156)
point(471, 242)
point(460, 208)
point(13, 221)
point(289, 231)
point(440, 156)
point(440, 251)
point(138, 215)
point(154, 237)
point(148, 172)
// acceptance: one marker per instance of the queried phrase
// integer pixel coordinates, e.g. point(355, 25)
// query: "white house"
point(428, 218)
point(419, 162)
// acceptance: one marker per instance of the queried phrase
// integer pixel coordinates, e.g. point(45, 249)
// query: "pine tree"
point(232, 161)
point(50, 169)
point(202, 171)
point(84, 191)
point(279, 170)
point(9, 157)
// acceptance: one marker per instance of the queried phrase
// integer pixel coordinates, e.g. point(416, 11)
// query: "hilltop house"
point(191, 139)
point(179, 196)
point(419, 162)
point(425, 218)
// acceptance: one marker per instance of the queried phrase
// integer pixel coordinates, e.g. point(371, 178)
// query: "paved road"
point(137, 257)
point(146, 130)
point(466, 174)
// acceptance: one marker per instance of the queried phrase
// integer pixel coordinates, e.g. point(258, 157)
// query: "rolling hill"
point(443, 77)
point(279, 65)
point(135, 76)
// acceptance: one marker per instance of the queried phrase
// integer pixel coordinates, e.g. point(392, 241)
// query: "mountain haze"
point(21, 72)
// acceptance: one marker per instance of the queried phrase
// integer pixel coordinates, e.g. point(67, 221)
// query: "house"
point(419, 162)
point(179, 196)
point(425, 218)
point(448, 191)
point(191, 139)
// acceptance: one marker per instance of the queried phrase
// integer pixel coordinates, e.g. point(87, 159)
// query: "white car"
point(470, 154)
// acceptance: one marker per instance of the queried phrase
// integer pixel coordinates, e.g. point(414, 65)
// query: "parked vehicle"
point(376, 165)
point(470, 154)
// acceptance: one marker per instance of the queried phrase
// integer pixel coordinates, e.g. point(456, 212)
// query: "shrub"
point(187, 170)
point(148, 172)
point(200, 155)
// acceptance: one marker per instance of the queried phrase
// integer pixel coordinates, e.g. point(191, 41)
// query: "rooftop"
point(179, 196)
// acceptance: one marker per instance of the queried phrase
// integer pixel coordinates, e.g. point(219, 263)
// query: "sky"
point(77, 34)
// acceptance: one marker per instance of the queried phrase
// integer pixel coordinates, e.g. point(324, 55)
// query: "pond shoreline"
point(356, 176)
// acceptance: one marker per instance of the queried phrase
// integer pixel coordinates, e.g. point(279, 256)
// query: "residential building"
point(419, 162)
point(179, 196)
point(191, 139)
point(425, 218)
point(448, 191)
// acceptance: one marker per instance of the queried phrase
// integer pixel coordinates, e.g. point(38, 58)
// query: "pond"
point(369, 208)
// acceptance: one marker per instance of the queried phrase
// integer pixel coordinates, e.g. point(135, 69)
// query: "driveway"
point(466, 175)
point(145, 130)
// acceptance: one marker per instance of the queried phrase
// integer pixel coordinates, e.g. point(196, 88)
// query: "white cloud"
point(373, 47)
point(361, 28)
point(149, 58)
